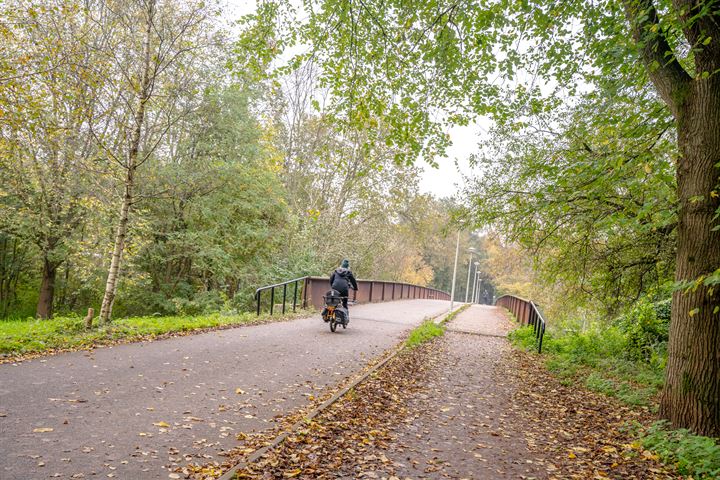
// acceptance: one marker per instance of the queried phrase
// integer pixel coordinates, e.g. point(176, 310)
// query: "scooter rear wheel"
point(333, 325)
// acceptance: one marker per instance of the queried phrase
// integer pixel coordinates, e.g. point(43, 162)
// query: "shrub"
point(646, 329)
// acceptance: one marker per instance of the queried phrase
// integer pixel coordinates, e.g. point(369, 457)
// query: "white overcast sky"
point(447, 178)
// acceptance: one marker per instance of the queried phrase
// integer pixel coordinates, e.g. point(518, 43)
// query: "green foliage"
point(693, 455)
point(424, 333)
point(588, 193)
point(646, 328)
point(33, 336)
point(597, 358)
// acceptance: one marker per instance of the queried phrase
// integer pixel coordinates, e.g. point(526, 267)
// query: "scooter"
point(334, 313)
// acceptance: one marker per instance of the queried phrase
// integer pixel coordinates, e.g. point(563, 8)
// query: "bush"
point(201, 303)
point(646, 329)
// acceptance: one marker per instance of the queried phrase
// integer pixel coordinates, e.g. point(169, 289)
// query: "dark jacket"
point(341, 279)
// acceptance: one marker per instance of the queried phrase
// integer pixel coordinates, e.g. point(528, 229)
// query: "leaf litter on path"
point(461, 406)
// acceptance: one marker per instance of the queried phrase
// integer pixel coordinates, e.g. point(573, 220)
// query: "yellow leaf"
point(648, 168)
point(608, 449)
point(239, 391)
point(571, 455)
point(42, 430)
point(649, 455)
point(162, 424)
point(292, 473)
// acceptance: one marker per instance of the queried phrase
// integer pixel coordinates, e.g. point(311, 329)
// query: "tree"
point(422, 66)
point(154, 47)
point(221, 216)
point(45, 145)
point(691, 396)
point(591, 198)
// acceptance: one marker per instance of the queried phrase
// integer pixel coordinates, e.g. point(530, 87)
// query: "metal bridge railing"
point(284, 286)
point(308, 291)
point(527, 313)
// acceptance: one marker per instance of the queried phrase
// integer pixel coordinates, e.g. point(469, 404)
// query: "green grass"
point(455, 313)
point(20, 337)
point(424, 333)
point(692, 455)
point(595, 358)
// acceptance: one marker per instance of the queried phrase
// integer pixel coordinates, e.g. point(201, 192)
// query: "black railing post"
point(306, 285)
point(295, 295)
point(284, 297)
point(272, 300)
point(257, 294)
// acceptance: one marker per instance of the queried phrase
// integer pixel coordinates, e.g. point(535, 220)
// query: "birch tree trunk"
point(144, 93)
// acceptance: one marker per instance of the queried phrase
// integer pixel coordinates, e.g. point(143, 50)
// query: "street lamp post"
point(452, 290)
point(467, 287)
point(475, 280)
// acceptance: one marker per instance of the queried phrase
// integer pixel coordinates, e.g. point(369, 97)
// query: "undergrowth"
point(693, 455)
point(597, 357)
point(626, 360)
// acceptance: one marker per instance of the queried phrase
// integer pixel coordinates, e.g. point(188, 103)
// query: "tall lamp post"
point(475, 277)
point(452, 290)
point(467, 287)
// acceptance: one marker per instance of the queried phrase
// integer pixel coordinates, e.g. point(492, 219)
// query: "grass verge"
point(595, 359)
point(454, 313)
point(20, 338)
point(424, 333)
point(691, 455)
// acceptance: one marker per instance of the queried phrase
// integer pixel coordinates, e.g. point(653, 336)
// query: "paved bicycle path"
point(129, 411)
point(464, 424)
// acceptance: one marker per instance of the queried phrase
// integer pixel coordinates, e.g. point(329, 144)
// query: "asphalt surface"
point(131, 411)
point(465, 422)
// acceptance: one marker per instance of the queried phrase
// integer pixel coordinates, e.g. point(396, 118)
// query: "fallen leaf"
point(42, 430)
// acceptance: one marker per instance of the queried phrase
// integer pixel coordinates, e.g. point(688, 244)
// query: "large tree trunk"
point(143, 95)
point(691, 398)
point(47, 291)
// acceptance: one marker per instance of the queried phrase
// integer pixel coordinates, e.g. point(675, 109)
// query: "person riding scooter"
point(342, 279)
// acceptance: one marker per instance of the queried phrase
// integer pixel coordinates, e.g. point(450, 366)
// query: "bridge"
point(142, 410)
